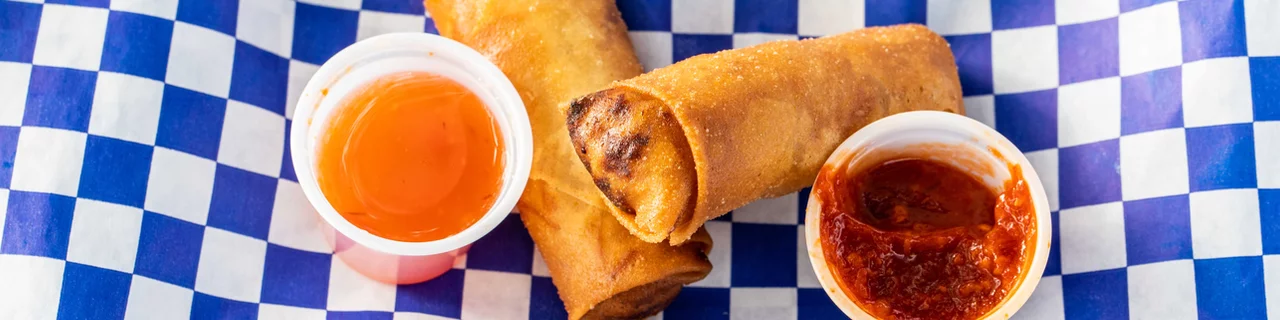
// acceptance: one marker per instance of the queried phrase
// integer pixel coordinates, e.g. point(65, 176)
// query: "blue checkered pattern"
point(144, 172)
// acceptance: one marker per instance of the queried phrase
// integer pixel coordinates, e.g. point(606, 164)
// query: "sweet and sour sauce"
point(411, 156)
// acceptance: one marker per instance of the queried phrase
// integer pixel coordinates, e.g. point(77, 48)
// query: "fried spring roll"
point(684, 144)
point(554, 51)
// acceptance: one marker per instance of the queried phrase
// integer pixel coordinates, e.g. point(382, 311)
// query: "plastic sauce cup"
point(903, 132)
point(379, 258)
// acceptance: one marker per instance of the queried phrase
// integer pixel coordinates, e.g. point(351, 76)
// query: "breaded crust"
point(754, 122)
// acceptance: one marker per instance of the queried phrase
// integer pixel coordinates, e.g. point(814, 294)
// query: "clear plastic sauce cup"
point(379, 258)
point(967, 143)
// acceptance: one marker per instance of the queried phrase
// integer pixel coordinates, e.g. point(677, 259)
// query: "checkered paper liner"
point(145, 173)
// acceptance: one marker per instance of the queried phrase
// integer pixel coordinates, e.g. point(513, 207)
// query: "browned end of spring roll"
point(684, 144)
point(553, 51)
point(600, 269)
point(621, 152)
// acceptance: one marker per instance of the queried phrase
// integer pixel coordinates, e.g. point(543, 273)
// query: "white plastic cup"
point(379, 258)
point(949, 138)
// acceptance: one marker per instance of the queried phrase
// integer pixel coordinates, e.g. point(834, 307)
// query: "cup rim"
point(505, 100)
point(962, 126)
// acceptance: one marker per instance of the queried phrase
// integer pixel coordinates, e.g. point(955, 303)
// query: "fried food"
point(554, 51)
point(684, 144)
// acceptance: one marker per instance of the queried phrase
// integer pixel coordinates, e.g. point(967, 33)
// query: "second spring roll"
point(554, 51)
point(684, 144)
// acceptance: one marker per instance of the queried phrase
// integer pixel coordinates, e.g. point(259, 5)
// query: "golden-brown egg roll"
point(554, 51)
point(683, 144)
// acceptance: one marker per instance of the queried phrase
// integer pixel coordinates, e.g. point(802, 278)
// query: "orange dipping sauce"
point(411, 156)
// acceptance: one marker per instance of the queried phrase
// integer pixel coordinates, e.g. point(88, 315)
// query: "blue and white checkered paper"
point(145, 173)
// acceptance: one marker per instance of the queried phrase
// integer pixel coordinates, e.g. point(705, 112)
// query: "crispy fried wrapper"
point(554, 51)
point(684, 144)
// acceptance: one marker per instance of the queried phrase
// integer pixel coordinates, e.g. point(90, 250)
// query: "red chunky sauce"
point(913, 238)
